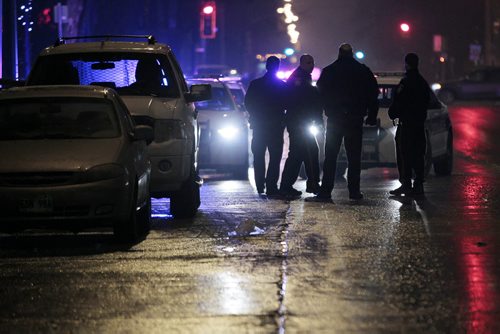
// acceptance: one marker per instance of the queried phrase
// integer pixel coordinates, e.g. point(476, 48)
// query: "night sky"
point(249, 27)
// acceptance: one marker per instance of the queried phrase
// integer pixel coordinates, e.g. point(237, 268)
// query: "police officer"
point(349, 92)
point(265, 102)
point(304, 108)
point(409, 106)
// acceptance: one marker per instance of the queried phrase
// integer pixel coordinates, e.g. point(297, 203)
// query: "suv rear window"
point(128, 73)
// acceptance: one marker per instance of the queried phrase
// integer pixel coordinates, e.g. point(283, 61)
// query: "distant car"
point(73, 158)
point(237, 90)
point(148, 77)
point(378, 141)
point(480, 84)
point(224, 130)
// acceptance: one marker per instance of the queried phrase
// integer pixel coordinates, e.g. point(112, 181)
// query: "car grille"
point(36, 179)
point(58, 211)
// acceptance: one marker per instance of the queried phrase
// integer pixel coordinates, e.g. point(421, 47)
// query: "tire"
point(143, 217)
point(444, 165)
point(447, 96)
point(127, 230)
point(186, 201)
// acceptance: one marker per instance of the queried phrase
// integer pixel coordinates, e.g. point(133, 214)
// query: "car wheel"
point(447, 96)
point(127, 230)
point(444, 165)
point(143, 217)
point(186, 201)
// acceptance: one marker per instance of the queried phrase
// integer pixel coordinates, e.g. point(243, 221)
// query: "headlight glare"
point(228, 132)
point(314, 130)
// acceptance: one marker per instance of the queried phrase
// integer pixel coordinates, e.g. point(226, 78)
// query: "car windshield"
point(221, 101)
point(57, 118)
point(238, 95)
point(128, 73)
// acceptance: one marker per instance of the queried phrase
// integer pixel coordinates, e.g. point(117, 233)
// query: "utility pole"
point(9, 40)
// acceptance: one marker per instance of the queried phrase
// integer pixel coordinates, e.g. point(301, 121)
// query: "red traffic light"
point(208, 14)
point(405, 27)
point(208, 9)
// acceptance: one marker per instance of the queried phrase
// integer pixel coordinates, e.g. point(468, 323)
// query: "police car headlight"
point(228, 132)
point(314, 130)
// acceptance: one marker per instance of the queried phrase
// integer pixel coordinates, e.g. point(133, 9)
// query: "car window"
point(385, 95)
point(128, 73)
point(477, 76)
point(221, 101)
point(239, 97)
point(57, 118)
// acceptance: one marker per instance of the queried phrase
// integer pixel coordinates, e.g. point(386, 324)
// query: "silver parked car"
point(73, 158)
point(148, 77)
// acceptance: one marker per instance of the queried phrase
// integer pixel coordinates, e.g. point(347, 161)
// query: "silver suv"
point(150, 81)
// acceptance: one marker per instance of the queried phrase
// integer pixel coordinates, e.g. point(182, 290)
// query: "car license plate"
point(40, 204)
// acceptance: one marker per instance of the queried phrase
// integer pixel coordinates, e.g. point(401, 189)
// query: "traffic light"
point(208, 14)
point(45, 16)
point(405, 27)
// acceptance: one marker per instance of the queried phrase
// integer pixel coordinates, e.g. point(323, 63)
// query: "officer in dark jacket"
point(265, 102)
point(409, 106)
point(304, 108)
point(349, 92)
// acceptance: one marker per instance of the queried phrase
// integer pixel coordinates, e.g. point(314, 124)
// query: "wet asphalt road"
point(257, 265)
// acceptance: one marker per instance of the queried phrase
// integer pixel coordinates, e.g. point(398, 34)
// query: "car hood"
point(70, 155)
point(158, 108)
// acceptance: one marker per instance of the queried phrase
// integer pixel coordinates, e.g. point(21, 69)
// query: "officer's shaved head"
point(411, 60)
point(307, 63)
point(272, 64)
point(345, 50)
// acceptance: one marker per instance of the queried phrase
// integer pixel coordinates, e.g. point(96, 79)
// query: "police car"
point(224, 129)
point(378, 141)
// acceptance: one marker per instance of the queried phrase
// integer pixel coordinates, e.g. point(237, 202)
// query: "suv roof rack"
point(62, 40)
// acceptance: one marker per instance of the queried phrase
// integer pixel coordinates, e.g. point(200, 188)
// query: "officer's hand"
point(371, 121)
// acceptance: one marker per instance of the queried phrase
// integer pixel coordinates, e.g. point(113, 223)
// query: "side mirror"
point(201, 92)
point(143, 132)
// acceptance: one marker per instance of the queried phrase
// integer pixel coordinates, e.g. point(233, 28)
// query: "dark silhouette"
point(265, 103)
point(349, 92)
point(148, 76)
point(304, 108)
point(409, 106)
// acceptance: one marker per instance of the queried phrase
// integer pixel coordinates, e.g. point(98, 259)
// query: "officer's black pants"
point(351, 131)
point(270, 139)
point(410, 153)
point(303, 148)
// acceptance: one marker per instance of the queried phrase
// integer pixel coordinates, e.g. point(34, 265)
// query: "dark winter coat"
point(411, 100)
point(265, 102)
point(349, 90)
point(303, 100)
